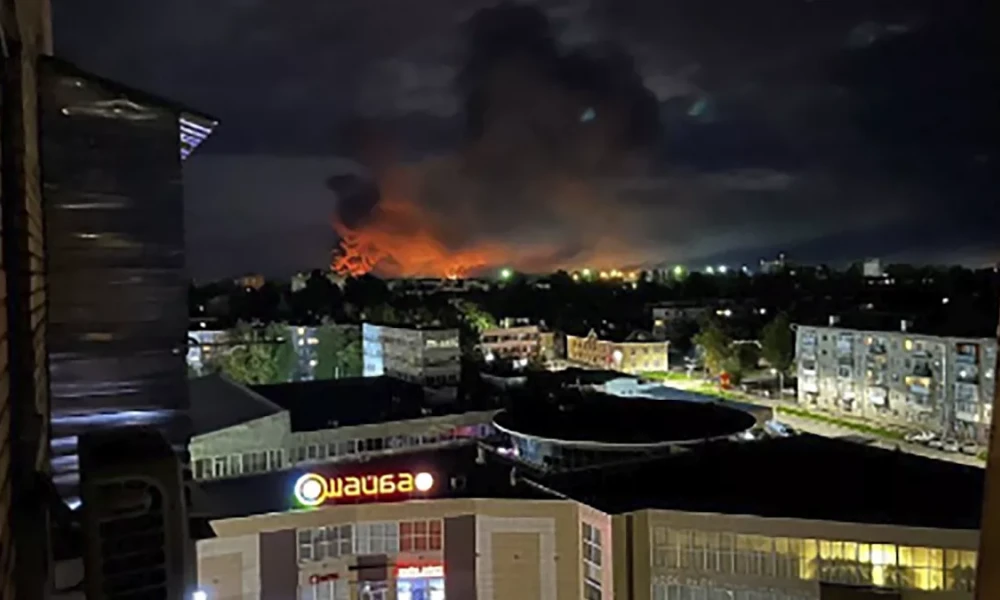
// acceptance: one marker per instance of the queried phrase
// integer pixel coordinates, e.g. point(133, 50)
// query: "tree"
point(742, 358)
point(257, 355)
point(716, 346)
point(339, 352)
point(777, 344)
point(476, 317)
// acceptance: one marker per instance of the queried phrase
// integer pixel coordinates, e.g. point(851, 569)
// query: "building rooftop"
point(619, 336)
point(195, 126)
point(801, 477)
point(324, 404)
point(415, 326)
point(577, 417)
point(218, 402)
point(970, 327)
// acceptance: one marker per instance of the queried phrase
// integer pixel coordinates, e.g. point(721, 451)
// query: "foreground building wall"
point(943, 384)
point(455, 549)
point(24, 397)
point(677, 556)
point(111, 164)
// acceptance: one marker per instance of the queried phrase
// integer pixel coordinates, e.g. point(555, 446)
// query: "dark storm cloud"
point(865, 122)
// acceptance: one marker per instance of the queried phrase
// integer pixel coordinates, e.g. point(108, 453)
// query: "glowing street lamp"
point(722, 269)
point(710, 270)
point(506, 274)
point(679, 271)
point(586, 273)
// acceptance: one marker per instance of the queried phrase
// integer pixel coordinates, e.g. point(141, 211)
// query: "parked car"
point(935, 443)
point(919, 437)
point(950, 446)
point(970, 448)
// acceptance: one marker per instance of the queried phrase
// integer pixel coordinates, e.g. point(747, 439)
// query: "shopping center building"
point(768, 520)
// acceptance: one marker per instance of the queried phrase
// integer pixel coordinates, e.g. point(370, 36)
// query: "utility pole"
point(988, 563)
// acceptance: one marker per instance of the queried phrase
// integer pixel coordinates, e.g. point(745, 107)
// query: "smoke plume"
point(546, 128)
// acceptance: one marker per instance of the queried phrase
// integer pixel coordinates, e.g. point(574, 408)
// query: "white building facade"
point(426, 356)
point(899, 378)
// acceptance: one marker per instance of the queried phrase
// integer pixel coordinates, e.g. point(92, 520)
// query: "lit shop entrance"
point(420, 583)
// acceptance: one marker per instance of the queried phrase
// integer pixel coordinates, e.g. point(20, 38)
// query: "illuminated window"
point(592, 561)
point(415, 536)
point(960, 569)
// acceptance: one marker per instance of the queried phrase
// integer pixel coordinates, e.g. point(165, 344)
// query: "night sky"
point(603, 133)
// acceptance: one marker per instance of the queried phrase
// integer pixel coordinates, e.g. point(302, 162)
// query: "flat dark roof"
point(217, 402)
point(579, 417)
point(802, 477)
point(315, 405)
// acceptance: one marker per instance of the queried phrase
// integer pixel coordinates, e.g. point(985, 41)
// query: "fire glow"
point(399, 239)
point(313, 490)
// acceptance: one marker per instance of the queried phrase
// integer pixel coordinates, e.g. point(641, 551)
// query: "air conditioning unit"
point(134, 518)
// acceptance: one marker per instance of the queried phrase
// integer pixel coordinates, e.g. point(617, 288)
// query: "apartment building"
point(429, 356)
point(637, 353)
point(667, 316)
point(519, 342)
point(901, 378)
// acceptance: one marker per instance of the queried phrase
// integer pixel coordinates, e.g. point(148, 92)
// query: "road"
point(830, 430)
point(835, 431)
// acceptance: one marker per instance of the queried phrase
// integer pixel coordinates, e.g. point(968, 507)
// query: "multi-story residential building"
point(429, 356)
point(244, 431)
point(521, 342)
point(114, 216)
point(637, 353)
point(667, 316)
point(939, 383)
point(26, 32)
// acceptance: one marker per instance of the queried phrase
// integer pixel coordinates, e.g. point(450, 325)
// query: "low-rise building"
point(243, 431)
point(902, 378)
point(637, 353)
point(471, 524)
point(429, 356)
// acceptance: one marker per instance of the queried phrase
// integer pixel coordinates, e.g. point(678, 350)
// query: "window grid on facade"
point(335, 589)
point(415, 536)
point(319, 543)
point(842, 562)
point(377, 538)
point(592, 561)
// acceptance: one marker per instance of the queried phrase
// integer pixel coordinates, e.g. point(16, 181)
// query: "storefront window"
point(431, 588)
point(373, 590)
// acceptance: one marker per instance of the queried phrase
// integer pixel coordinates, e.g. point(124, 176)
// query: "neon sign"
point(424, 572)
point(312, 489)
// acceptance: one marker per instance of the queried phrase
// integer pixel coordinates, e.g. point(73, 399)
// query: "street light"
point(506, 274)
